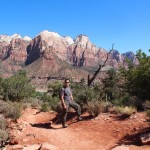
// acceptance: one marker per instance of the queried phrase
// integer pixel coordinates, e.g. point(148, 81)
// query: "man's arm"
point(63, 102)
point(71, 97)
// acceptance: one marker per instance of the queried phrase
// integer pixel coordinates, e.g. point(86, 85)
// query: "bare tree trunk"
point(90, 80)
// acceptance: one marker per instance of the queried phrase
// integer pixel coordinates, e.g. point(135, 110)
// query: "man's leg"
point(64, 117)
point(77, 108)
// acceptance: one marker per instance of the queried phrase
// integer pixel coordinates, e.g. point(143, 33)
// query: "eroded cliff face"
point(4, 48)
point(82, 52)
point(51, 50)
point(13, 47)
point(13, 55)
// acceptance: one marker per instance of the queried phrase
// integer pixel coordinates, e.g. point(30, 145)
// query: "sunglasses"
point(67, 82)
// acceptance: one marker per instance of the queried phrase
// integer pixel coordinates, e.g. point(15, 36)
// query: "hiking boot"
point(80, 119)
point(64, 125)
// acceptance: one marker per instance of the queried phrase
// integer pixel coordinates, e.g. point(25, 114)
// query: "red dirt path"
point(102, 133)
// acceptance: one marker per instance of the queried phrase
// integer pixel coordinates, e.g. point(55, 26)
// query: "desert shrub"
point(1, 97)
point(95, 108)
point(3, 135)
point(45, 107)
point(137, 77)
point(38, 95)
point(2, 106)
point(26, 105)
point(83, 94)
point(3, 123)
point(121, 102)
point(106, 105)
point(35, 103)
point(54, 103)
point(13, 110)
point(17, 87)
point(148, 113)
point(125, 111)
point(146, 105)
point(136, 102)
point(128, 101)
point(56, 87)
point(31, 102)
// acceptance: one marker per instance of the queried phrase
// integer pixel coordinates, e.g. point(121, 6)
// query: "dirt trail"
point(101, 133)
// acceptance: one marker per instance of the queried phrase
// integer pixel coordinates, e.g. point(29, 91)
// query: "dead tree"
point(90, 80)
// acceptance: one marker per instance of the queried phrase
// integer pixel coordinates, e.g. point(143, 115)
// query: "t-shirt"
point(66, 93)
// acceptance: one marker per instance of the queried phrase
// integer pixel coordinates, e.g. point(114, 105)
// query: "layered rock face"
point(43, 44)
point(13, 53)
point(82, 52)
point(13, 47)
point(53, 50)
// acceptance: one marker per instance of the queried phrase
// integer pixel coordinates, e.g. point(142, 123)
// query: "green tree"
point(17, 87)
point(55, 87)
point(112, 85)
point(137, 78)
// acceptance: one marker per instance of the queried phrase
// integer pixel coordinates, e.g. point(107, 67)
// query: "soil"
point(104, 132)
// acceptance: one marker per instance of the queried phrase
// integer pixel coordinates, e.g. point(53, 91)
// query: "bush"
point(38, 95)
point(45, 107)
point(3, 123)
point(106, 106)
point(125, 111)
point(35, 103)
point(132, 101)
point(17, 87)
point(146, 105)
point(13, 110)
point(121, 102)
point(148, 113)
point(137, 77)
point(56, 87)
point(3, 135)
point(54, 103)
point(83, 95)
point(26, 105)
point(2, 106)
point(94, 108)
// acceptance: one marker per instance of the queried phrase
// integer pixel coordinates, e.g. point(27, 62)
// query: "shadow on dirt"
point(42, 125)
point(121, 117)
point(134, 139)
point(71, 116)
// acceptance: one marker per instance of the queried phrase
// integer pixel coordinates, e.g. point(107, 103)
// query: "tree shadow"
point(43, 125)
point(38, 112)
point(121, 117)
point(70, 116)
point(134, 139)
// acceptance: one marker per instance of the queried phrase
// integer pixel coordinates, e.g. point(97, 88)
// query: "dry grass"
point(95, 108)
point(3, 123)
point(125, 111)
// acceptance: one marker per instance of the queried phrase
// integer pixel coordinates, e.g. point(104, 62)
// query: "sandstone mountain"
point(49, 55)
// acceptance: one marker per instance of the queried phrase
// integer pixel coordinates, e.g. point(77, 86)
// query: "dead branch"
point(90, 80)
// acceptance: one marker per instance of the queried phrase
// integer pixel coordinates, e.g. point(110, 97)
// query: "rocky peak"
point(82, 40)
point(46, 34)
point(16, 36)
point(8, 39)
point(116, 55)
point(5, 38)
point(130, 55)
point(69, 40)
point(27, 38)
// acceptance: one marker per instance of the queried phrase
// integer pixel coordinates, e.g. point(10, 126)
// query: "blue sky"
point(126, 23)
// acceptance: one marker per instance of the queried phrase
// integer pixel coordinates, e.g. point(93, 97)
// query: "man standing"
point(67, 101)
